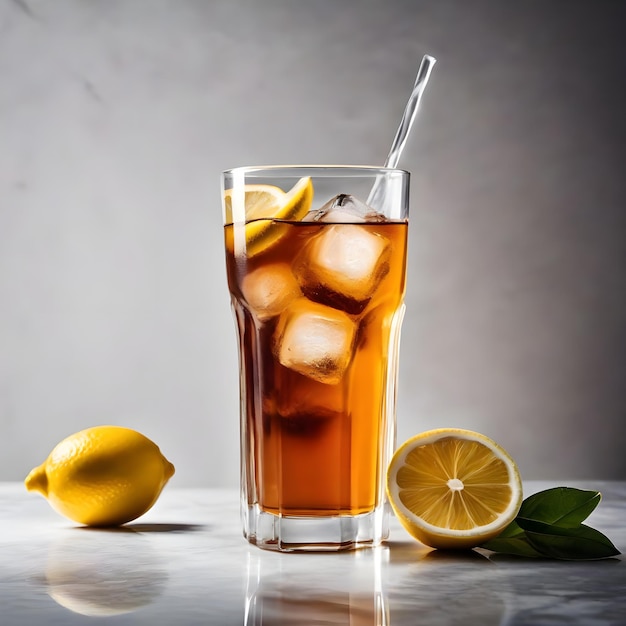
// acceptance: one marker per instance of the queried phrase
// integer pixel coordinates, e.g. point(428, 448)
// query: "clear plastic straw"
point(402, 134)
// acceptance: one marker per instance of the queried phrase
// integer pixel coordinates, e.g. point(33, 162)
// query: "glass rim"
point(316, 170)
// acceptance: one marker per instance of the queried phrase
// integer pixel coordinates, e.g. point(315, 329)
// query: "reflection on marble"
point(185, 562)
point(103, 581)
point(284, 592)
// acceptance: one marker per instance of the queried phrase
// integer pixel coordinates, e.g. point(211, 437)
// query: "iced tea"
point(318, 314)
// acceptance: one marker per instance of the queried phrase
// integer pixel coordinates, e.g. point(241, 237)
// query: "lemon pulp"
point(260, 206)
point(453, 488)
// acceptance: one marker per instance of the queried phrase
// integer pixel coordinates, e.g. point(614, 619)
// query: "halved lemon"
point(260, 206)
point(453, 488)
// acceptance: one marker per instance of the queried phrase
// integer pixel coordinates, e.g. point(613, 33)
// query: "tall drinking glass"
point(317, 279)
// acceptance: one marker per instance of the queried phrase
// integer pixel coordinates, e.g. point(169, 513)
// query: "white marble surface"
point(185, 562)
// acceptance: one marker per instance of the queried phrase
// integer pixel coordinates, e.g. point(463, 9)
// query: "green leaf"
point(511, 531)
point(512, 540)
point(517, 546)
point(538, 527)
point(572, 543)
point(562, 506)
point(549, 525)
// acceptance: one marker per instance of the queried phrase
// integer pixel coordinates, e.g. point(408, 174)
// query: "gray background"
point(117, 117)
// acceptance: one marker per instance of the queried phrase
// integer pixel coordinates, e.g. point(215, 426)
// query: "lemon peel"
point(102, 476)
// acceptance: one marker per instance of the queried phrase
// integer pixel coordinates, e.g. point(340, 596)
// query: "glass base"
point(315, 534)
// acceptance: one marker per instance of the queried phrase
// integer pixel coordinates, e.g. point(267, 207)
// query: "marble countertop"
point(185, 562)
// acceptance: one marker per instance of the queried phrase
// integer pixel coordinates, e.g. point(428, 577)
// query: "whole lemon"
point(102, 476)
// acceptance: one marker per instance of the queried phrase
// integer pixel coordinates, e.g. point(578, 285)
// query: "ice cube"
point(314, 340)
point(343, 266)
point(345, 209)
point(268, 290)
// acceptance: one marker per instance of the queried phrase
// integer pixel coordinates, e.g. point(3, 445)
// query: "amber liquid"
point(308, 447)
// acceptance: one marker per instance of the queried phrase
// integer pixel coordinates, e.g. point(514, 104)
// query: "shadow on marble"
point(407, 552)
point(510, 559)
point(457, 557)
point(145, 528)
point(166, 528)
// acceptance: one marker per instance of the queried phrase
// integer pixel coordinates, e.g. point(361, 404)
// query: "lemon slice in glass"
point(262, 206)
point(453, 488)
